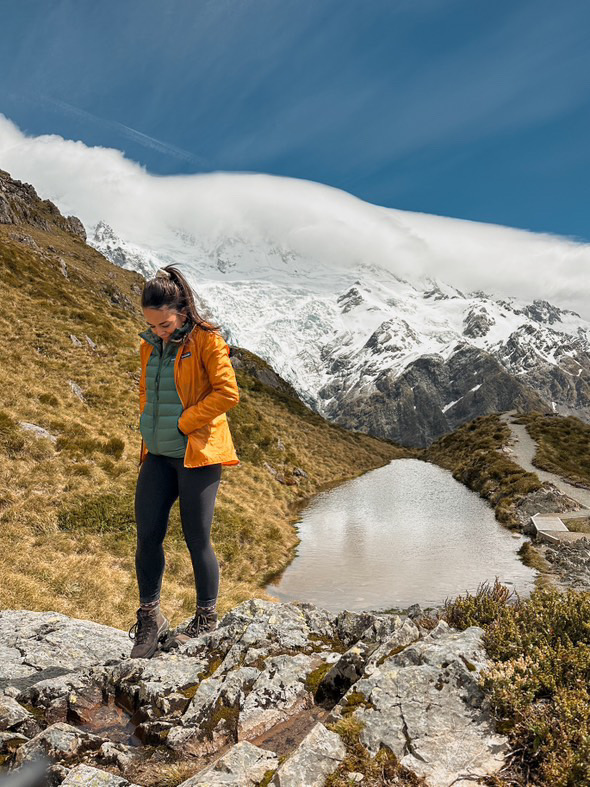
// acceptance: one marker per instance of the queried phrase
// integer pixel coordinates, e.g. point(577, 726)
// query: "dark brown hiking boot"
point(151, 627)
point(203, 621)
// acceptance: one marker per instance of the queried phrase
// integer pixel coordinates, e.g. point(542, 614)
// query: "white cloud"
point(337, 228)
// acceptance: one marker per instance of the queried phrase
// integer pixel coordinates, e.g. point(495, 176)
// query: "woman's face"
point(164, 322)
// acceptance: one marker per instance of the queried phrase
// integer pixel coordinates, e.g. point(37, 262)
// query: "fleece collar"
point(177, 337)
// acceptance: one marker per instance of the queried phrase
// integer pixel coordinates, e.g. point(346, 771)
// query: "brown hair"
point(172, 291)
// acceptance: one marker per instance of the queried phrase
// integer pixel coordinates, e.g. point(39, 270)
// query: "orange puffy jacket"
point(206, 384)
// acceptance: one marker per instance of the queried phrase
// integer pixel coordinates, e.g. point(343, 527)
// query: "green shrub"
point(538, 684)
point(476, 610)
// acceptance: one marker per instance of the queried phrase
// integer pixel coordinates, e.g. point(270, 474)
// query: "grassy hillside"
point(473, 453)
point(563, 445)
point(67, 506)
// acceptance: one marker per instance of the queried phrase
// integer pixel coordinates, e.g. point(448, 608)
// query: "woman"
point(187, 384)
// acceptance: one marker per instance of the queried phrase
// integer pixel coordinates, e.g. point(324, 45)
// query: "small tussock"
point(578, 525)
point(154, 774)
point(353, 701)
point(532, 558)
point(382, 769)
point(538, 682)
point(266, 779)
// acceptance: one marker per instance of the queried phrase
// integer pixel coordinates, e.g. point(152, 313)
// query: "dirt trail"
point(523, 447)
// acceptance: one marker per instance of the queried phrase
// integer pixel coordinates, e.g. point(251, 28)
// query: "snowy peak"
point(347, 331)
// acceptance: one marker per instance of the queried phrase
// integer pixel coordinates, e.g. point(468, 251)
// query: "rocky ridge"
point(252, 702)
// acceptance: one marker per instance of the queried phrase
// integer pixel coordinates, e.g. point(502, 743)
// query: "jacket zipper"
point(157, 402)
point(176, 364)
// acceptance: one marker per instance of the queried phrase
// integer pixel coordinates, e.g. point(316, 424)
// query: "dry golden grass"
point(67, 507)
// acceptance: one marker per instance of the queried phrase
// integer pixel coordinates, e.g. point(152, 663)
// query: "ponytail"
point(169, 289)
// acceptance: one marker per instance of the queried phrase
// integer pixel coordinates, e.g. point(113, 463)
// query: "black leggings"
point(161, 480)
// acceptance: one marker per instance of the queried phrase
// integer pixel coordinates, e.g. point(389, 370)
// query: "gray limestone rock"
point(425, 705)
point(93, 777)
point(317, 756)
point(244, 765)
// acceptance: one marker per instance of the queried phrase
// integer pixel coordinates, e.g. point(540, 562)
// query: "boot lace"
point(200, 621)
point(140, 631)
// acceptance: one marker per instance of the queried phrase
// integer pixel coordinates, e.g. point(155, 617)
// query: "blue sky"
point(462, 108)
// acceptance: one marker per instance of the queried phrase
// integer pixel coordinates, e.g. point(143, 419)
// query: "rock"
point(571, 560)
point(277, 693)
point(151, 681)
point(10, 741)
point(76, 390)
point(116, 754)
point(255, 675)
point(38, 430)
point(548, 499)
point(50, 652)
point(12, 714)
point(93, 777)
point(90, 342)
point(317, 756)
point(76, 227)
point(425, 705)
point(59, 742)
point(75, 341)
point(63, 267)
point(244, 765)
point(363, 656)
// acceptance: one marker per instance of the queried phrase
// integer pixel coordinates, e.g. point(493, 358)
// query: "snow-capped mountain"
point(405, 359)
point(399, 323)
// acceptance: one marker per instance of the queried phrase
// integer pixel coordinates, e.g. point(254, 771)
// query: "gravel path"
point(523, 447)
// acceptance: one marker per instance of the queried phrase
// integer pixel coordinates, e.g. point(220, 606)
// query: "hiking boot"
point(203, 621)
point(151, 627)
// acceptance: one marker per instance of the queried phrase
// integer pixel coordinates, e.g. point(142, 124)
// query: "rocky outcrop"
point(259, 699)
point(571, 562)
point(430, 398)
point(20, 204)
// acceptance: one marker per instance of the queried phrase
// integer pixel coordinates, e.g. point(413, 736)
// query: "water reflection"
point(403, 533)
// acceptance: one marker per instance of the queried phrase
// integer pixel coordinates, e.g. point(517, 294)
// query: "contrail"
point(127, 131)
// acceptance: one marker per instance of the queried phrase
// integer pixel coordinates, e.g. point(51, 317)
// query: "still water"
point(404, 533)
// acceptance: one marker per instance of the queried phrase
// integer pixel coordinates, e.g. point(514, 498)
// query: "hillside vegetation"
point(563, 445)
point(473, 453)
point(67, 504)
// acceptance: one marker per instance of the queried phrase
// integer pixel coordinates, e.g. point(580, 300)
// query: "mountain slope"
point(69, 440)
point(409, 361)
